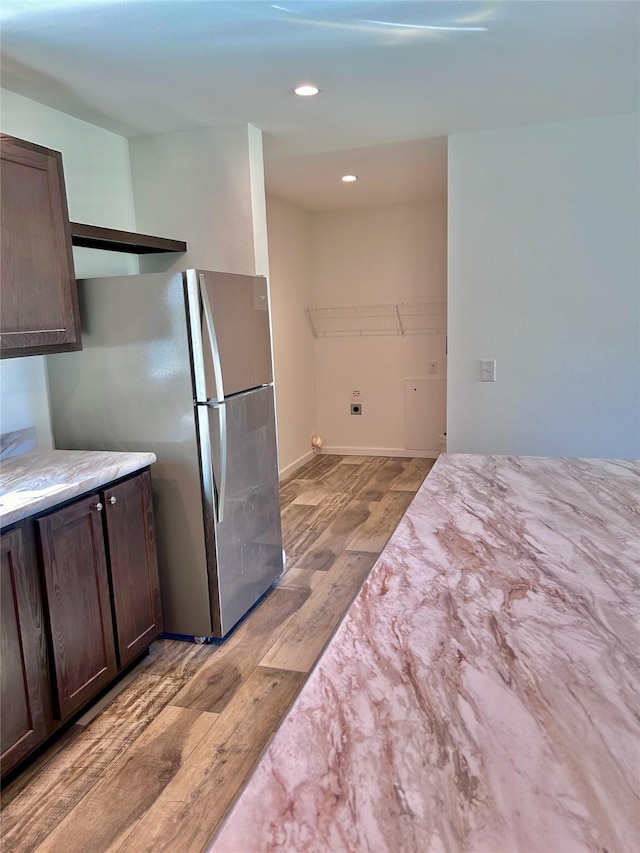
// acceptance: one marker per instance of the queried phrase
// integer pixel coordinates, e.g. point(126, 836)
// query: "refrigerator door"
point(242, 503)
point(229, 317)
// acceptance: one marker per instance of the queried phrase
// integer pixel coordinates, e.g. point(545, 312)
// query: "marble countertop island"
point(482, 692)
point(36, 481)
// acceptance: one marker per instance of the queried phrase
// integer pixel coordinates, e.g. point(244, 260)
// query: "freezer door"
point(242, 500)
point(229, 317)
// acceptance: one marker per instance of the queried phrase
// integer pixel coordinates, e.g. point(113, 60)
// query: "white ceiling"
point(395, 79)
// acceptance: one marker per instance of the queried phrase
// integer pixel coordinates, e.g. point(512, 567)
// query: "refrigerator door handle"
point(214, 456)
point(213, 340)
point(222, 487)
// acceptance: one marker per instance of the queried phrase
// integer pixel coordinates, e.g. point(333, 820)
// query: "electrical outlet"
point(356, 408)
point(355, 396)
point(433, 368)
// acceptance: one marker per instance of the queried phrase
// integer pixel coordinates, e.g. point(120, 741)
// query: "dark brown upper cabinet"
point(39, 299)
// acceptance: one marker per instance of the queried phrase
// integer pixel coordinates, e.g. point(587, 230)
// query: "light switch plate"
point(488, 370)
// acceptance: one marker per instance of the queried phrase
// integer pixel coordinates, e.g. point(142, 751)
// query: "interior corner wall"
point(258, 200)
point(544, 256)
point(198, 186)
point(289, 232)
point(98, 184)
point(377, 256)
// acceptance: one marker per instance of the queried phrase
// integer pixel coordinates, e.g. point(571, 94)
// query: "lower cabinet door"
point(25, 693)
point(134, 566)
point(77, 590)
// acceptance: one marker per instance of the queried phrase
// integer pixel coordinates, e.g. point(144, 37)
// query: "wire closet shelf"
point(406, 318)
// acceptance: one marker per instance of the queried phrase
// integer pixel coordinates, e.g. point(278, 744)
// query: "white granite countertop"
point(482, 692)
point(36, 481)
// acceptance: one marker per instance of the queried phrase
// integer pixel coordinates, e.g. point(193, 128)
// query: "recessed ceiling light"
point(349, 179)
point(306, 90)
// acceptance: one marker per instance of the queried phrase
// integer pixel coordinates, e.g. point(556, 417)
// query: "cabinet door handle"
point(97, 507)
point(113, 500)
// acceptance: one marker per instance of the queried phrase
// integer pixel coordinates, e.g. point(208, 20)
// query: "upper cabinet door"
point(39, 296)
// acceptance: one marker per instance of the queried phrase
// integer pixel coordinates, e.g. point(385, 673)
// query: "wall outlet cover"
point(356, 408)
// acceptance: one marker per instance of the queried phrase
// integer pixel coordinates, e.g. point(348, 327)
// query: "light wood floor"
point(158, 766)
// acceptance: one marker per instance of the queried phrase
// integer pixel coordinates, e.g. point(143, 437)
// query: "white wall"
point(202, 186)
point(289, 231)
point(544, 277)
point(98, 184)
point(376, 256)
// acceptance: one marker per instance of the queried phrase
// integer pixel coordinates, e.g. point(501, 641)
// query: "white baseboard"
point(380, 451)
point(289, 469)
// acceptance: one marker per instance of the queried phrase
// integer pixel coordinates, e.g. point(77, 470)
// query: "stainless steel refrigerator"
point(180, 364)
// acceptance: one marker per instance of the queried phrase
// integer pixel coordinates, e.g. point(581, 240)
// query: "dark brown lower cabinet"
point(75, 617)
point(25, 700)
point(77, 590)
point(134, 567)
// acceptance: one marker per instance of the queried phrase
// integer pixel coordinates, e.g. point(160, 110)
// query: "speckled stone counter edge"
point(37, 481)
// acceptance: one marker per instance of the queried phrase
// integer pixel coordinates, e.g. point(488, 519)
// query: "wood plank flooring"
point(157, 762)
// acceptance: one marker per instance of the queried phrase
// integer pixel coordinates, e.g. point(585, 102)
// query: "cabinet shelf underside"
point(96, 237)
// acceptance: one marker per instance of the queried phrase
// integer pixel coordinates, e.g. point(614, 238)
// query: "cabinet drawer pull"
point(97, 507)
point(113, 500)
